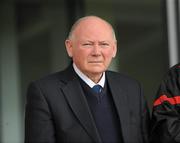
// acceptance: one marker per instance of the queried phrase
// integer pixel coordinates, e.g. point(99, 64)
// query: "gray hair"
point(70, 35)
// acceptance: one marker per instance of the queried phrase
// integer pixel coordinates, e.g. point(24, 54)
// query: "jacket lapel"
point(76, 99)
point(121, 103)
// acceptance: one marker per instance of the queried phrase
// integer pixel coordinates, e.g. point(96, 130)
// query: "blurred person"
point(86, 103)
point(166, 109)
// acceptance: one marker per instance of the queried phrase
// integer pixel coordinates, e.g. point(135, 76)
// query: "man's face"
point(92, 46)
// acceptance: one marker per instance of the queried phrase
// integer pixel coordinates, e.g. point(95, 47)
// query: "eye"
point(86, 44)
point(104, 44)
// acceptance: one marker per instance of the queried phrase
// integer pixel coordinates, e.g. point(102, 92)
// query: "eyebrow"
point(104, 41)
point(93, 41)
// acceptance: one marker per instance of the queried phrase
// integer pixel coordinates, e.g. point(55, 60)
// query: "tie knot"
point(97, 88)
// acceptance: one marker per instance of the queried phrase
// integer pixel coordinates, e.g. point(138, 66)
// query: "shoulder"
point(177, 66)
point(44, 84)
point(58, 78)
point(169, 84)
point(121, 78)
point(49, 86)
point(173, 72)
point(175, 69)
point(50, 78)
point(122, 82)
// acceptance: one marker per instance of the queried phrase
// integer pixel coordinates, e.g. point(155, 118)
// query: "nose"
point(96, 50)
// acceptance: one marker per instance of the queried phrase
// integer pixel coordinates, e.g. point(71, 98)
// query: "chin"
point(97, 71)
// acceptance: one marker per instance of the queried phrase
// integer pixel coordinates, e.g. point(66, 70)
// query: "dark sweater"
point(104, 113)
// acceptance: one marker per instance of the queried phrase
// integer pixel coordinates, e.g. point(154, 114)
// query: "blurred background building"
point(32, 34)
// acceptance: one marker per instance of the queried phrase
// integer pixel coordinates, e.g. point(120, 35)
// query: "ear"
point(114, 50)
point(68, 44)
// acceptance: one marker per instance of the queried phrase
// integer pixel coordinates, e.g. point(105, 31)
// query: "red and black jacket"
point(166, 109)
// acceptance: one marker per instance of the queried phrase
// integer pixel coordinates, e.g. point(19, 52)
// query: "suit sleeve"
point(39, 126)
point(166, 110)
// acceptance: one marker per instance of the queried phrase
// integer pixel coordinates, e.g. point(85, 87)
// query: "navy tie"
point(97, 89)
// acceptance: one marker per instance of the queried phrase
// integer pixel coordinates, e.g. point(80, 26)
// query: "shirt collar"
point(87, 80)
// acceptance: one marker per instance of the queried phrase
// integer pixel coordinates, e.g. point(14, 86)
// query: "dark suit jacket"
point(57, 110)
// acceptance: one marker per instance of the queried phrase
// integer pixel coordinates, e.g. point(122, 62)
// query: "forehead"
point(93, 28)
point(93, 20)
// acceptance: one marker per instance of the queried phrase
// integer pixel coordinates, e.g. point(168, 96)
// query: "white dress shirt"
point(87, 80)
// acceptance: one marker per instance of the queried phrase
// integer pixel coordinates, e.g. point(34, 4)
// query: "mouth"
point(95, 62)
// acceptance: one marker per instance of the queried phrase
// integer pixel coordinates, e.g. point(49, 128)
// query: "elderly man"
point(86, 103)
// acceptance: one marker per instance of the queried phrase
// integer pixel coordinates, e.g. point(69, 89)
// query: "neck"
point(95, 78)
